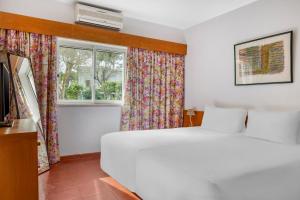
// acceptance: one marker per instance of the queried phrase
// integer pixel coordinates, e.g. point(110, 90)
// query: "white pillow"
point(281, 127)
point(227, 120)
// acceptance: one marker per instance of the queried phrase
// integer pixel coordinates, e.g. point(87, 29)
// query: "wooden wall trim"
point(81, 32)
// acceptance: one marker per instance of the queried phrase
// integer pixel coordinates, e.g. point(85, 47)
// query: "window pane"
point(109, 75)
point(75, 74)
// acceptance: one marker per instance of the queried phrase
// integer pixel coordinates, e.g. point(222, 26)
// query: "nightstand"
point(196, 119)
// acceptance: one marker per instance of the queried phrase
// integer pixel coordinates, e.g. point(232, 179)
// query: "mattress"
point(228, 168)
point(119, 149)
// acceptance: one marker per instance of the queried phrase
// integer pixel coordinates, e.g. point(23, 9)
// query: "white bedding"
point(119, 150)
point(230, 168)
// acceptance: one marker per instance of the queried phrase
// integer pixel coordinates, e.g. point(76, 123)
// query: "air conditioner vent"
point(98, 16)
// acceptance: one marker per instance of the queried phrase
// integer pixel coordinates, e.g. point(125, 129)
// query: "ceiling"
point(180, 14)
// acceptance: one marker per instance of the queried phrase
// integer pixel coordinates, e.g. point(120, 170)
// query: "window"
point(90, 73)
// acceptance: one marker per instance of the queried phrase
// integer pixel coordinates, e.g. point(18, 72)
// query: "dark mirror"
point(7, 92)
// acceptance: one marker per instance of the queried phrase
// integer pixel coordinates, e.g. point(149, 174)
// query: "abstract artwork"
point(265, 60)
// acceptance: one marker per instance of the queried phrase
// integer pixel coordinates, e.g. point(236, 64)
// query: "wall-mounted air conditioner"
point(108, 18)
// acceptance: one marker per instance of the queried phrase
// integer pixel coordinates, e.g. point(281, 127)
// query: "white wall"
point(64, 12)
point(80, 128)
point(210, 59)
point(152, 30)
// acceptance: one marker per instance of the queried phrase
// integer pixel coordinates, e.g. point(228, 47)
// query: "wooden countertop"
point(20, 126)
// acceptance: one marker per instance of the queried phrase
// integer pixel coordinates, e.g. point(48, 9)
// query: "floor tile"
point(81, 179)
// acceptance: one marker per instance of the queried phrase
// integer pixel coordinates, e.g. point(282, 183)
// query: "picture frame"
point(266, 60)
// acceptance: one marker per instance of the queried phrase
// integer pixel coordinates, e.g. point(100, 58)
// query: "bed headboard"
point(197, 119)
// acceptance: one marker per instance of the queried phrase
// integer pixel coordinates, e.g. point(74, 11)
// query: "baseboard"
point(84, 156)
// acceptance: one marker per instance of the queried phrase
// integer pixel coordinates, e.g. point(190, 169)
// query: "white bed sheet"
point(231, 168)
point(119, 149)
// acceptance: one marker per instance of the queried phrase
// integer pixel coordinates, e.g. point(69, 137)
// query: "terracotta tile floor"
point(80, 179)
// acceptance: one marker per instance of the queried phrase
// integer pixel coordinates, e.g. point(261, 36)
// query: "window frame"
point(94, 47)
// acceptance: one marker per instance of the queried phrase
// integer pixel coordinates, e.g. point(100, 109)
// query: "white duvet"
point(119, 150)
point(228, 168)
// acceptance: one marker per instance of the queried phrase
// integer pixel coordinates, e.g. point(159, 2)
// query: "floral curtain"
point(41, 49)
point(154, 94)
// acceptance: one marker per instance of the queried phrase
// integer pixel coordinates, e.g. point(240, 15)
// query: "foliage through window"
point(89, 73)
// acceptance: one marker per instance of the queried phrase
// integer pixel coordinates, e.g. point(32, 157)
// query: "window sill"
point(76, 104)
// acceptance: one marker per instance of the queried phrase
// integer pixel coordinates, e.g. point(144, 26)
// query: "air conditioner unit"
point(103, 17)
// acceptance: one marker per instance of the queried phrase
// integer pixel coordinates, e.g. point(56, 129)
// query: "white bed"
point(119, 149)
point(228, 168)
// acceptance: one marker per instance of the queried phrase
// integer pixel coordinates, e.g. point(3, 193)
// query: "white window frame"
point(79, 44)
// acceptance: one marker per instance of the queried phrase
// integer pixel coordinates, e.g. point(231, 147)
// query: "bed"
point(227, 168)
point(222, 160)
point(119, 150)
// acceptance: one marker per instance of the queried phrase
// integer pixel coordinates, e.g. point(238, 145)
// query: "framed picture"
point(265, 60)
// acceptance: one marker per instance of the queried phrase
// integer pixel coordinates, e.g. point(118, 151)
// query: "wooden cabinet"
point(18, 161)
point(196, 119)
